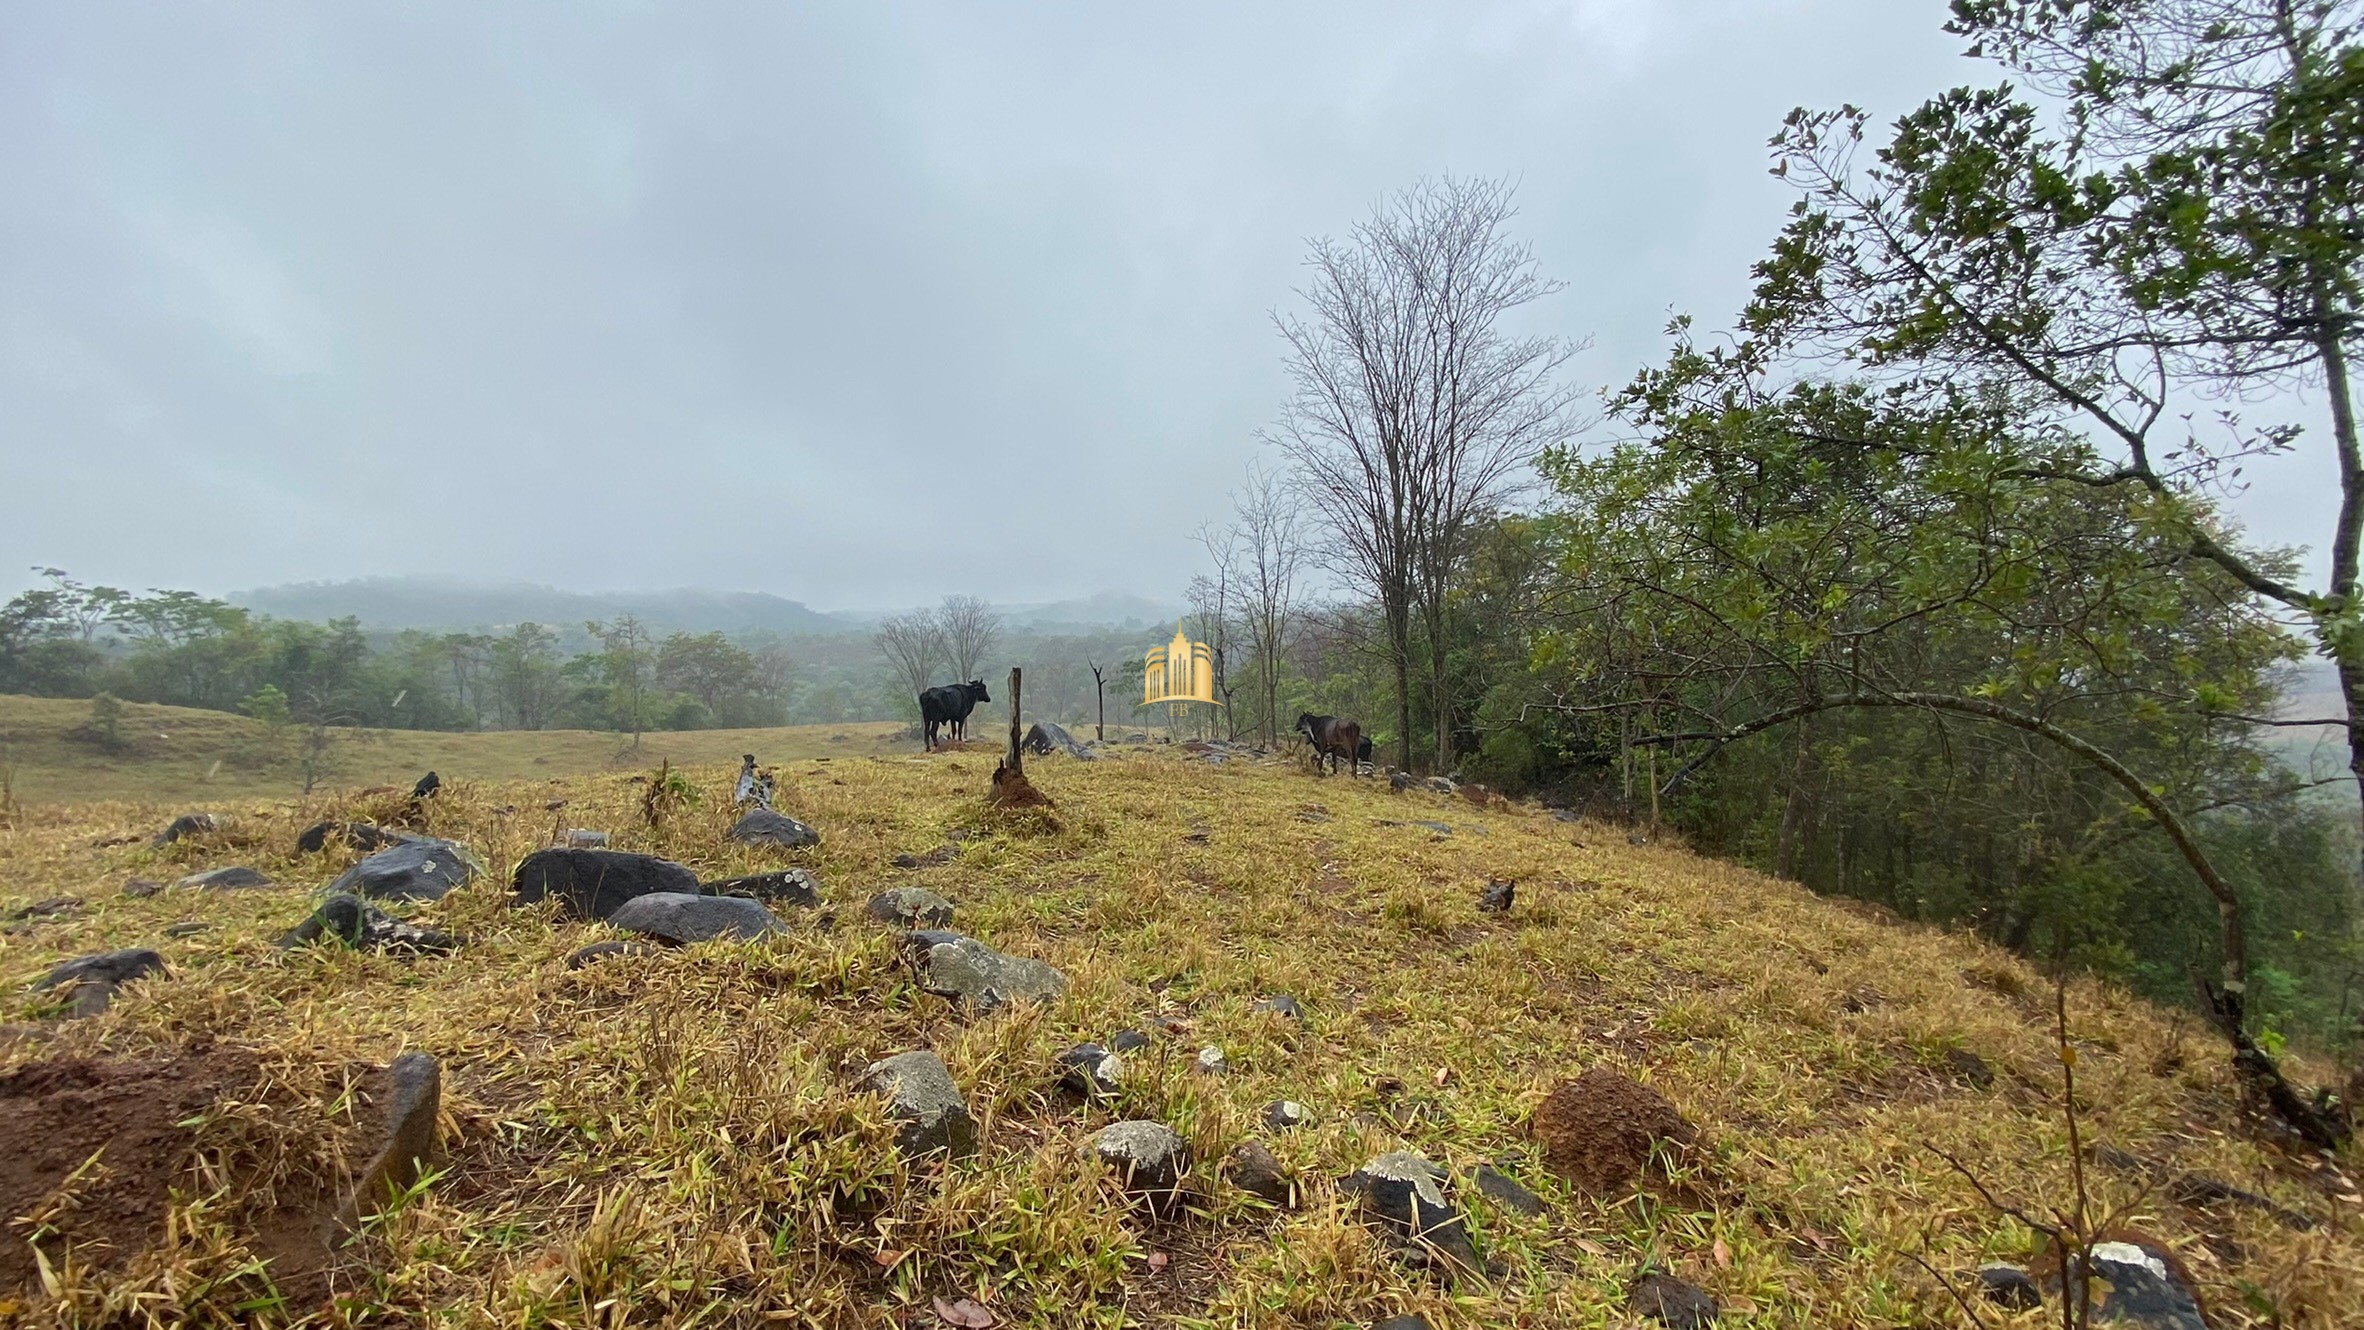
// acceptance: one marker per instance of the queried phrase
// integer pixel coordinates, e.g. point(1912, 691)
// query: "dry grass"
point(674, 1140)
point(177, 753)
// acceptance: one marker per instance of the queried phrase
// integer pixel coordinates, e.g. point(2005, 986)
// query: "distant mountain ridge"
point(454, 605)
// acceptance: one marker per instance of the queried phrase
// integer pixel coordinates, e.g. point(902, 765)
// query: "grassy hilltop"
point(676, 1139)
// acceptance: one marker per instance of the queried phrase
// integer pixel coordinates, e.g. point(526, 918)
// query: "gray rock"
point(1149, 1159)
point(1403, 1194)
point(2143, 1288)
point(1091, 1071)
point(1970, 1069)
point(1285, 1115)
point(1254, 1170)
point(226, 879)
point(591, 884)
point(966, 970)
point(1671, 1301)
point(188, 824)
point(1211, 1061)
point(1400, 781)
point(790, 886)
point(911, 907)
point(186, 928)
point(2200, 1192)
point(92, 980)
point(602, 950)
point(360, 835)
point(1048, 736)
point(1282, 1005)
point(1128, 1041)
point(1136, 738)
point(359, 924)
point(762, 826)
point(2009, 1286)
point(683, 917)
point(140, 888)
point(1497, 896)
point(921, 1096)
point(56, 907)
point(583, 838)
point(414, 1099)
point(1503, 1190)
point(415, 868)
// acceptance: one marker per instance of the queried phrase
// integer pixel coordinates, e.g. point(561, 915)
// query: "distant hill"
point(451, 605)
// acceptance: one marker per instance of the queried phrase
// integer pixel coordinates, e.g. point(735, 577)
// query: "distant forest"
point(622, 673)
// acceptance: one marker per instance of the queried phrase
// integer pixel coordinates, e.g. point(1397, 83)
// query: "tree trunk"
point(1440, 689)
point(1399, 633)
point(1015, 759)
point(1793, 814)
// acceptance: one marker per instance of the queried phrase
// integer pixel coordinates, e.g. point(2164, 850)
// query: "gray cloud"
point(856, 304)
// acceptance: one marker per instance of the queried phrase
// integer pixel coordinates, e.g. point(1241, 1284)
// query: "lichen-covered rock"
point(361, 925)
point(911, 907)
point(92, 980)
point(591, 884)
point(188, 824)
point(233, 878)
point(682, 917)
point(762, 826)
point(1404, 1196)
point(2009, 1286)
point(789, 886)
point(1285, 1115)
point(414, 868)
point(1091, 1071)
point(1149, 1160)
point(921, 1096)
point(1253, 1169)
point(966, 970)
point(602, 950)
point(1281, 1005)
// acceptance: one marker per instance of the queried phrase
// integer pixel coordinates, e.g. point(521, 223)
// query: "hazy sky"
point(857, 303)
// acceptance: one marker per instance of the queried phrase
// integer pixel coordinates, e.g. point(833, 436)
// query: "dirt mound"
point(1597, 1130)
point(93, 1148)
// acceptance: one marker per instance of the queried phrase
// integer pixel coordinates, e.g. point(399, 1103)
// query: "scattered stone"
point(226, 879)
point(416, 868)
point(186, 928)
point(966, 970)
point(1672, 1302)
point(1136, 738)
point(1150, 1159)
point(1128, 1041)
point(1282, 1005)
point(1285, 1115)
point(140, 888)
point(360, 835)
point(921, 1096)
point(683, 917)
point(942, 854)
point(2009, 1286)
point(56, 907)
point(1441, 784)
point(1253, 1169)
point(1599, 1129)
point(583, 838)
point(1404, 1194)
point(2144, 1284)
point(911, 907)
point(1211, 1061)
point(1048, 735)
point(1091, 1071)
point(591, 884)
point(1496, 897)
point(1970, 1069)
point(762, 826)
point(790, 886)
point(1503, 1190)
point(414, 1099)
point(1476, 794)
point(601, 950)
point(188, 824)
point(94, 979)
point(1401, 781)
point(359, 924)
point(2202, 1192)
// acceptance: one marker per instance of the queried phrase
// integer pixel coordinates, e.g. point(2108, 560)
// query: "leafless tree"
point(1414, 411)
point(1211, 600)
point(914, 645)
point(1271, 552)
point(970, 629)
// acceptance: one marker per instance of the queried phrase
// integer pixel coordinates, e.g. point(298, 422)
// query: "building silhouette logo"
point(1179, 671)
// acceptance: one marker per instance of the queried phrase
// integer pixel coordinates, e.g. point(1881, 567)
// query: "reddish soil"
point(56, 1115)
point(1597, 1130)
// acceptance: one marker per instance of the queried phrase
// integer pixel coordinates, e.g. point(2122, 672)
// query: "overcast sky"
point(858, 303)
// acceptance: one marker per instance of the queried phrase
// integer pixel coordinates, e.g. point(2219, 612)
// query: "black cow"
point(950, 704)
point(1333, 740)
point(1362, 754)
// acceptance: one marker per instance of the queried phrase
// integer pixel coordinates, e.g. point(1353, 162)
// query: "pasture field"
point(678, 1138)
point(178, 753)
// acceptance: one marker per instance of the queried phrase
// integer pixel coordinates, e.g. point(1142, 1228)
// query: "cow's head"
point(976, 689)
point(1305, 722)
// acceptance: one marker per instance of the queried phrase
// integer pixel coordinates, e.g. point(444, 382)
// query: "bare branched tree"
point(914, 645)
point(1212, 601)
point(1414, 412)
point(1271, 549)
point(970, 629)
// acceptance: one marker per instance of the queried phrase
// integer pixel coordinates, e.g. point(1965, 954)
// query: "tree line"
point(1915, 584)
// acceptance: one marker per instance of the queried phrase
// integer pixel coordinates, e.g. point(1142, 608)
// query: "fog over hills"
point(455, 604)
